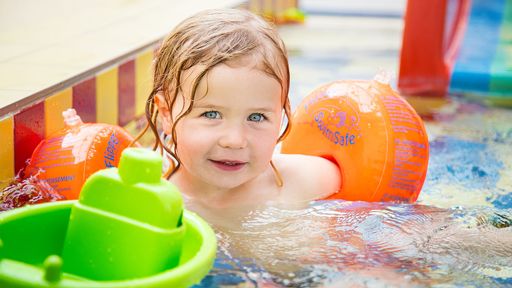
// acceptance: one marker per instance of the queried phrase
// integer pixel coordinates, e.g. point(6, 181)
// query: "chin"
point(227, 182)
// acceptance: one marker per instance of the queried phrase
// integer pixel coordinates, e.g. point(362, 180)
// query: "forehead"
point(241, 80)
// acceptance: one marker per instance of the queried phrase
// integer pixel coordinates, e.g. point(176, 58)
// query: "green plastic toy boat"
point(128, 229)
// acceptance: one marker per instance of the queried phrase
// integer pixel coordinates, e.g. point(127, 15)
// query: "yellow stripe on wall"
point(6, 151)
point(143, 80)
point(53, 108)
point(107, 95)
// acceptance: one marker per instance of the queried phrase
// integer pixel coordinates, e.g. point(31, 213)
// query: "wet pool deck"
point(44, 43)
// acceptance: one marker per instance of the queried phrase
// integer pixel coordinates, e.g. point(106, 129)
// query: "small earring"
point(164, 140)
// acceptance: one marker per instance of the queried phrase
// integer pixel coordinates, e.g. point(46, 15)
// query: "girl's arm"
point(307, 178)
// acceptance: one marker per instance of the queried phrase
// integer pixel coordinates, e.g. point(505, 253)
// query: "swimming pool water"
point(459, 232)
point(338, 244)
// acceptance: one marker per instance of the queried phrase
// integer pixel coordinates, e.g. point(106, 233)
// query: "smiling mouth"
point(227, 165)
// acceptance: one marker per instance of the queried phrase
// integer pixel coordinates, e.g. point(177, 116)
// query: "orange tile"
point(143, 80)
point(6, 151)
point(53, 108)
point(107, 95)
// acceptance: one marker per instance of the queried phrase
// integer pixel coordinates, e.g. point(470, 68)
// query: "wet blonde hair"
point(205, 40)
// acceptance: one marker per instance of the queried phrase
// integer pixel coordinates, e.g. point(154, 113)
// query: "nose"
point(233, 137)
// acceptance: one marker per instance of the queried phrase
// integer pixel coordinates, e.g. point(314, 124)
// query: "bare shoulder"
point(307, 177)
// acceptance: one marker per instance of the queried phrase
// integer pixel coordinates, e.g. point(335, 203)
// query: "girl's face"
point(229, 137)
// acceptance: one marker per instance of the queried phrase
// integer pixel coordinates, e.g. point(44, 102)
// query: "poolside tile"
point(126, 92)
point(53, 108)
point(84, 99)
point(107, 95)
point(143, 80)
point(6, 151)
point(29, 130)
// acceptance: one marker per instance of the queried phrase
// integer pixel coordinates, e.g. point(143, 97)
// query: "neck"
point(207, 195)
point(200, 192)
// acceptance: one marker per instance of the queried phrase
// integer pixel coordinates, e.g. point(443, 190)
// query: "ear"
point(164, 115)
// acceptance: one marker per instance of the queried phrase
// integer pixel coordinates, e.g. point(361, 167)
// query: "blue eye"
point(211, 114)
point(256, 117)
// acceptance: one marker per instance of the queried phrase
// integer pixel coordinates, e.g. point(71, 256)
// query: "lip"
point(228, 165)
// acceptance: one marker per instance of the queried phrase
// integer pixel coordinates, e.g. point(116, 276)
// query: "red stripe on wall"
point(84, 100)
point(29, 130)
point(126, 104)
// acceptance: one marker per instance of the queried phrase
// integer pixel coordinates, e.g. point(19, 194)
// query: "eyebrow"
point(209, 106)
point(216, 107)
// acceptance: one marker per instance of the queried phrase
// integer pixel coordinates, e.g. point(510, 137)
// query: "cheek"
point(188, 143)
point(265, 142)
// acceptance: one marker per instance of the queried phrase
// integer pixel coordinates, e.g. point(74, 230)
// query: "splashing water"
point(28, 191)
point(371, 244)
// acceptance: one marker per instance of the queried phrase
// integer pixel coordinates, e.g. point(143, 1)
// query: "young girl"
point(221, 81)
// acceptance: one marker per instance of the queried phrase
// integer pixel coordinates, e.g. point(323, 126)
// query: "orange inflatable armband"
point(67, 158)
point(376, 138)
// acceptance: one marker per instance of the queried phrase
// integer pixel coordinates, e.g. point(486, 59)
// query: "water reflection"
point(334, 243)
